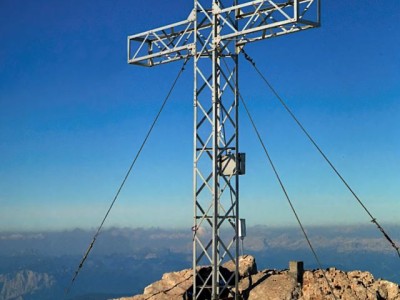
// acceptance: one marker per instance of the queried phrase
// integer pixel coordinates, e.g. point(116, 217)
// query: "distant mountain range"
point(123, 261)
point(24, 283)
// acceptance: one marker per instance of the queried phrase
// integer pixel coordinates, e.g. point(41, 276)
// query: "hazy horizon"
point(292, 226)
point(323, 236)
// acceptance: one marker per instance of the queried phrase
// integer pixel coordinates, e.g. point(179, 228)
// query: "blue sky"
point(73, 114)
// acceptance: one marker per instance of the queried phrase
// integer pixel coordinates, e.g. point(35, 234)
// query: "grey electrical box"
point(242, 228)
point(228, 164)
point(242, 163)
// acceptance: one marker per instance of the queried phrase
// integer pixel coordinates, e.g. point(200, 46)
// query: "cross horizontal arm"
point(162, 45)
point(256, 20)
point(263, 19)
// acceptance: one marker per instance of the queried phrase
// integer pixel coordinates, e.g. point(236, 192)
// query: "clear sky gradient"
point(73, 113)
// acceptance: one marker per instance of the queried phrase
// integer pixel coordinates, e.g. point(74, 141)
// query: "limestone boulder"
point(279, 286)
point(172, 286)
point(347, 286)
point(247, 266)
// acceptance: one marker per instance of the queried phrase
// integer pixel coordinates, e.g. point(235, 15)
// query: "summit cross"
point(214, 34)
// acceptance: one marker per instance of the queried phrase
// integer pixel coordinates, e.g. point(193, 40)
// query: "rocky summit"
point(290, 284)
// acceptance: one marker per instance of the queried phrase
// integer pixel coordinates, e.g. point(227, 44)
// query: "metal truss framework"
point(214, 34)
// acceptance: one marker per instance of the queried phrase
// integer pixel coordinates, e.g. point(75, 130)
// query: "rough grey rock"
point(171, 286)
point(247, 266)
point(280, 285)
point(347, 285)
point(269, 285)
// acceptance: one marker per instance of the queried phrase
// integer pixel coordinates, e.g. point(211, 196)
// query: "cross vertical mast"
point(215, 151)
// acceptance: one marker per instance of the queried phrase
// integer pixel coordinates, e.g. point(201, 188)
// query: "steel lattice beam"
point(256, 20)
point(214, 34)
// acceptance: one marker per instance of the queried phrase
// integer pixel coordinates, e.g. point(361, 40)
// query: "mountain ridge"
point(24, 282)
